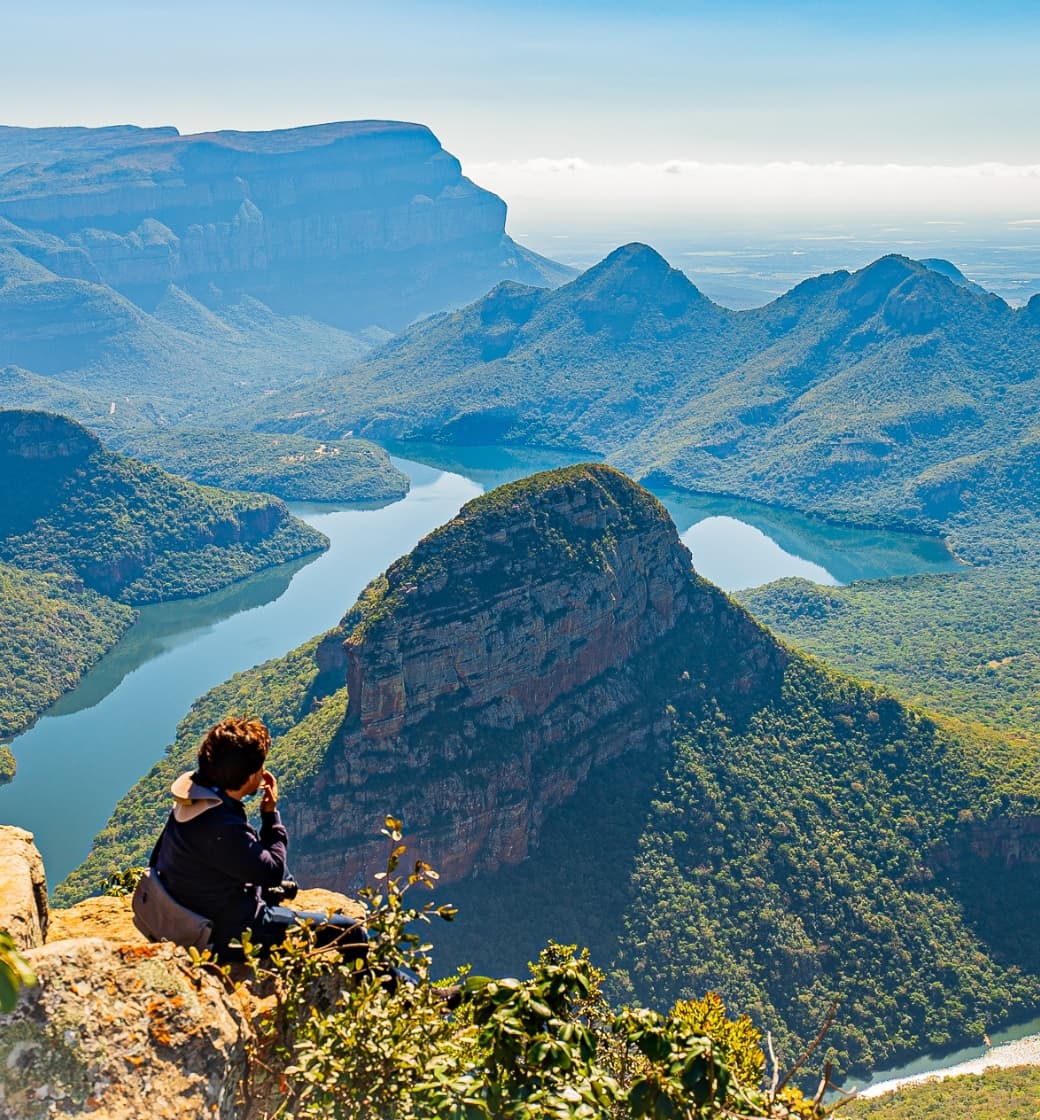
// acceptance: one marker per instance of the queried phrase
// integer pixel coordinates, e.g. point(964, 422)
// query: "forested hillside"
point(292, 467)
point(998, 1094)
point(844, 395)
point(54, 629)
point(129, 530)
point(84, 530)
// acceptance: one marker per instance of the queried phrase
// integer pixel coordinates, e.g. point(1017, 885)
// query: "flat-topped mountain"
point(353, 223)
point(592, 743)
point(840, 396)
point(20, 147)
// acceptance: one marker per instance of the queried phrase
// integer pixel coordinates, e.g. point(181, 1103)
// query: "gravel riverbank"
point(1021, 1052)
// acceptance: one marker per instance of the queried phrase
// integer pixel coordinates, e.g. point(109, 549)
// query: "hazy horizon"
point(885, 127)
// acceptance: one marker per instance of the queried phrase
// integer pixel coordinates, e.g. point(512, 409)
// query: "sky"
point(585, 112)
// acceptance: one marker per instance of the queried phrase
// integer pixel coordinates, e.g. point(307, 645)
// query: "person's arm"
point(240, 853)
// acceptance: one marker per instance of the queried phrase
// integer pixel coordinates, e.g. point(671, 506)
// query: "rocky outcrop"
point(1004, 844)
point(489, 671)
point(42, 437)
point(111, 918)
point(23, 888)
point(355, 222)
point(117, 1028)
point(121, 1031)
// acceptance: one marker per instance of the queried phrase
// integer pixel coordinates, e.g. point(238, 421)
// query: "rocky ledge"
point(116, 1028)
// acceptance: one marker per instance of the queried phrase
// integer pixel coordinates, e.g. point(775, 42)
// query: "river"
point(1012, 1047)
point(94, 743)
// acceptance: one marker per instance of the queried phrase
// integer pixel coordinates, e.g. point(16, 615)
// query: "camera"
point(285, 891)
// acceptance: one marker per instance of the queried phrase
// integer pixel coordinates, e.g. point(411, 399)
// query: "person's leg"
point(348, 934)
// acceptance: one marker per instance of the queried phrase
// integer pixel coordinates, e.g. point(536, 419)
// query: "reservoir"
point(91, 746)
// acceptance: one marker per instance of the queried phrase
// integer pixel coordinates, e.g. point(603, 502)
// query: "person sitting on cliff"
point(211, 859)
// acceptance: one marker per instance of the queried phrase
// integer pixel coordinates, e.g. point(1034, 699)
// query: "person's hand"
point(269, 792)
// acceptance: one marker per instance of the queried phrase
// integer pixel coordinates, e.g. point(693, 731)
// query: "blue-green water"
point(93, 744)
point(884, 1080)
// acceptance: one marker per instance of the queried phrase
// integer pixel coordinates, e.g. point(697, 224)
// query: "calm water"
point(93, 744)
point(883, 1080)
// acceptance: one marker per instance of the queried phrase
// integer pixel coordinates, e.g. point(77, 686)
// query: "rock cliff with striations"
point(352, 223)
point(491, 669)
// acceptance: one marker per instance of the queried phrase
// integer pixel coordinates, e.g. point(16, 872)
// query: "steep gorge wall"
point(319, 220)
point(513, 651)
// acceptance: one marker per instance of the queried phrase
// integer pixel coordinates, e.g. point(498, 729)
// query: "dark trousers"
point(273, 923)
point(271, 926)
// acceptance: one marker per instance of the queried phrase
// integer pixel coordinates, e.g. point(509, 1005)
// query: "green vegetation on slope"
point(963, 644)
point(54, 629)
point(785, 851)
point(127, 529)
point(997, 1094)
point(81, 526)
point(21, 389)
point(8, 765)
point(293, 467)
point(792, 857)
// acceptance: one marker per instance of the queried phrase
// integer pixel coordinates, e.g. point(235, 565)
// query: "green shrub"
point(341, 1042)
point(15, 972)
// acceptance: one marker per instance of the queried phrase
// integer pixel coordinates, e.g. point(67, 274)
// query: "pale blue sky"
point(741, 80)
point(627, 89)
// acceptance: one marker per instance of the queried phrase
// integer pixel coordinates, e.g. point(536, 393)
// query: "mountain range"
point(873, 394)
point(165, 275)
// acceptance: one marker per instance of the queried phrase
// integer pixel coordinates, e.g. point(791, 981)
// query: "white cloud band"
point(999, 190)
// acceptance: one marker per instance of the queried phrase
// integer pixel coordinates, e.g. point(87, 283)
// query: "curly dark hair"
point(232, 751)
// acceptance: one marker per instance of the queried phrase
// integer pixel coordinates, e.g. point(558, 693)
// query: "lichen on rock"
point(120, 1031)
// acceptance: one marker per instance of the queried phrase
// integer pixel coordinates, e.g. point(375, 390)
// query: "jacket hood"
point(191, 798)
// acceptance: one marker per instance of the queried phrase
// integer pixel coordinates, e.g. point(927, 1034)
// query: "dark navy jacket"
point(212, 860)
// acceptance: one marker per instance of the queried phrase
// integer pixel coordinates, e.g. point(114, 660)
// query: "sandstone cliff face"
point(293, 217)
point(511, 652)
point(1004, 846)
point(23, 888)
